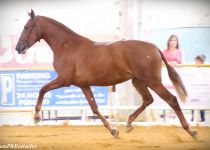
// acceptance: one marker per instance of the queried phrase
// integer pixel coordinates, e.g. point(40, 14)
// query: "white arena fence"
point(59, 116)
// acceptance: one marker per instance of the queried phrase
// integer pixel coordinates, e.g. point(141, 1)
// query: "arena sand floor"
point(97, 138)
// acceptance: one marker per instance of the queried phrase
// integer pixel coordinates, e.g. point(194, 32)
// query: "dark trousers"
point(202, 115)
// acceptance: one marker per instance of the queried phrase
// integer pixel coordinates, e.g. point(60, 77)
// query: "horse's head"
point(29, 35)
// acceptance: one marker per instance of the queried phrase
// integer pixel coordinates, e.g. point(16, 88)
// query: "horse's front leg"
point(91, 100)
point(54, 84)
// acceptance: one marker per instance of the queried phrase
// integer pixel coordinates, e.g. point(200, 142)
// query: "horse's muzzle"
point(21, 48)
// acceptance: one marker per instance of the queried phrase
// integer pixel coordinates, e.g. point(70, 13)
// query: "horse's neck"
point(56, 34)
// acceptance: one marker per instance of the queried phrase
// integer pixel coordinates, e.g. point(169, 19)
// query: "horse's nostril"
point(21, 47)
point(16, 48)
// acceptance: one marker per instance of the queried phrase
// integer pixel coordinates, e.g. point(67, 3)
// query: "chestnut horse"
point(82, 62)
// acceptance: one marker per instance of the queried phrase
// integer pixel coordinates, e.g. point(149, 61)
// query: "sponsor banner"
point(21, 89)
point(40, 55)
point(197, 84)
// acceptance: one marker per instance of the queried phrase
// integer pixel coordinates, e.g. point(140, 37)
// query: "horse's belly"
point(102, 79)
point(111, 81)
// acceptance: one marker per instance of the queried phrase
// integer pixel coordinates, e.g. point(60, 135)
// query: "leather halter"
point(37, 33)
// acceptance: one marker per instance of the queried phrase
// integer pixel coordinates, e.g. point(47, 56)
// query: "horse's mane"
point(59, 25)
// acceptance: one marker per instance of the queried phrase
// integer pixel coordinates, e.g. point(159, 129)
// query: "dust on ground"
point(98, 138)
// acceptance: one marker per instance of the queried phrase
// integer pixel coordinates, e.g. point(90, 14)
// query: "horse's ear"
point(32, 14)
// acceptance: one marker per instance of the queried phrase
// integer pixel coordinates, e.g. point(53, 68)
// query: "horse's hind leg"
point(147, 100)
point(172, 101)
point(91, 100)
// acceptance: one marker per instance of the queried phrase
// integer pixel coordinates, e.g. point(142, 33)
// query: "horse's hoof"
point(37, 119)
point(129, 128)
point(115, 132)
point(194, 134)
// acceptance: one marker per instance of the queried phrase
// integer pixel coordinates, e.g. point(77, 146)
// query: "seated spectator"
point(200, 59)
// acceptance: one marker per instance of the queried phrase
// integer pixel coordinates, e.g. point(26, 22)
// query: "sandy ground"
point(97, 138)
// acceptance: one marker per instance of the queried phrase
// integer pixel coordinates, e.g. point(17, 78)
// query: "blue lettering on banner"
point(21, 89)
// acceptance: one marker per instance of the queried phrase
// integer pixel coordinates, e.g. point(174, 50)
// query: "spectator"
point(173, 54)
point(199, 60)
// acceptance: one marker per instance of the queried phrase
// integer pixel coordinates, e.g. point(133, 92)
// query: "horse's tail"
point(176, 79)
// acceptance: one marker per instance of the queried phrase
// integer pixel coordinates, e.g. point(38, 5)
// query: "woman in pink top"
point(173, 54)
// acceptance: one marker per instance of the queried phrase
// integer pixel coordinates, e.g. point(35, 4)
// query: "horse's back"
point(140, 47)
point(112, 63)
point(132, 58)
point(136, 51)
point(143, 58)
